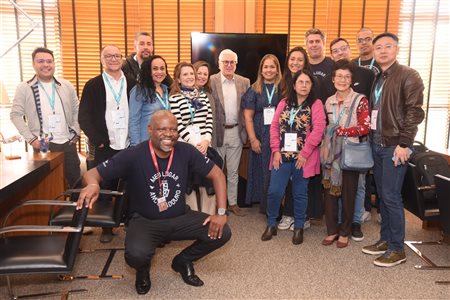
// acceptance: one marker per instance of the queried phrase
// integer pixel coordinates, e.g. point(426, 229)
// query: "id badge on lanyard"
point(373, 120)
point(268, 115)
point(290, 142)
point(54, 123)
point(118, 119)
point(195, 133)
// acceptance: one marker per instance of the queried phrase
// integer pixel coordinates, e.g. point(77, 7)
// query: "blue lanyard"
point(164, 100)
point(293, 114)
point(377, 92)
point(340, 114)
point(191, 111)
point(270, 96)
point(371, 63)
point(51, 99)
point(116, 96)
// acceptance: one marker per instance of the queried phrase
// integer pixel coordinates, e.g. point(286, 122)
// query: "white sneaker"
point(286, 222)
point(306, 225)
point(367, 216)
point(379, 218)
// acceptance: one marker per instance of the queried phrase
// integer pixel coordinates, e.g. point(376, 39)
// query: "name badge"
point(54, 123)
point(195, 134)
point(268, 115)
point(118, 119)
point(290, 142)
point(373, 120)
point(162, 204)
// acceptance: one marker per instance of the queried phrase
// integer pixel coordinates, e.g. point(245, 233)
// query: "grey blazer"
point(242, 84)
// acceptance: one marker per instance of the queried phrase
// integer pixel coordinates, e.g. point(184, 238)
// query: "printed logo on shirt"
point(171, 188)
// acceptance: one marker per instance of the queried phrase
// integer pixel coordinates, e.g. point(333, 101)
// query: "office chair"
point(38, 253)
point(107, 212)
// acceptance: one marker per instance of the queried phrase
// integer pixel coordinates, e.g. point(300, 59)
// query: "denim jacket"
point(143, 104)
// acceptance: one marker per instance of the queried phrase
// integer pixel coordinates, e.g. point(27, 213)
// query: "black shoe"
point(107, 235)
point(357, 234)
point(186, 269)
point(268, 233)
point(297, 238)
point(143, 283)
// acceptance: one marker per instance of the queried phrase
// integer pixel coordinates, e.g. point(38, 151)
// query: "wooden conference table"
point(28, 178)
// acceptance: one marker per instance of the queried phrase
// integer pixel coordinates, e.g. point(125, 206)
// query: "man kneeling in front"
point(156, 172)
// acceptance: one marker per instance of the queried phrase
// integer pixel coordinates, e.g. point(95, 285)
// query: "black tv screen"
point(249, 47)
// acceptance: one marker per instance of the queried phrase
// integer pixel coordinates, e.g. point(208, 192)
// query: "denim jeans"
point(389, 181)
point(278, 181)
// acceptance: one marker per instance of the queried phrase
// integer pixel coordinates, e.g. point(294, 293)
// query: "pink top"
point(310, 150)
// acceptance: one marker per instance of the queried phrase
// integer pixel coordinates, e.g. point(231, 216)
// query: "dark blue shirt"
point(135, 165)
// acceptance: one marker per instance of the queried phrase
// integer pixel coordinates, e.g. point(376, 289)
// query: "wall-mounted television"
point(249, 47)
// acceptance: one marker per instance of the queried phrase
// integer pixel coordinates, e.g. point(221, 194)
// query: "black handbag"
point(355, 156)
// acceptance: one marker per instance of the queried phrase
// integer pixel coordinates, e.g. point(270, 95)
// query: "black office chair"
point(30, 253)
point(423, 202)
point(443, 197)
point(107, 212)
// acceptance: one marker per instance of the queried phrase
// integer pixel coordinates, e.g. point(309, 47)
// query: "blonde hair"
point(175, 87)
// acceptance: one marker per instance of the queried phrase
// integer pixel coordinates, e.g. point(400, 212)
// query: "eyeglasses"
point(112, 56)
point(167, 130)
point(341, 49)
point(47, 61)
point(345, 77)
point(303, 82)
point(229, 62)
point(362, 40)
point(385, 47)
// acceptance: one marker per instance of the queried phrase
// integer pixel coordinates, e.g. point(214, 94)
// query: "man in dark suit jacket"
point(227, 89)
point(103, 113)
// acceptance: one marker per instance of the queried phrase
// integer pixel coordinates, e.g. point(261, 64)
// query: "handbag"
point(355, 156)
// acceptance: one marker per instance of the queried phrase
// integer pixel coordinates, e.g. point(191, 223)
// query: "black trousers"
point(71, 161)
point(144, 235)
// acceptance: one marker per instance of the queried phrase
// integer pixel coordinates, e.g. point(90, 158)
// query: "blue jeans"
point(389, 181)
point(278, 181)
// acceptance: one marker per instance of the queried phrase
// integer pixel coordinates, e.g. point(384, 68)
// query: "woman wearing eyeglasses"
point(193, 111)
point(341, 183)
point(295, 134)
point(147, 97)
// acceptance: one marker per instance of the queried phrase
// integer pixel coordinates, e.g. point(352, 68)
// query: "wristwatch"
point(403, 145)
point(221, 211)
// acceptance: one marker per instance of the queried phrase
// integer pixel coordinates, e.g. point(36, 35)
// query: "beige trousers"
point(207, 203)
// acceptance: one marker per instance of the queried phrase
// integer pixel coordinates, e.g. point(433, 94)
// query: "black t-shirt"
point(370, 64)
point(323, 68)
point(135, 165)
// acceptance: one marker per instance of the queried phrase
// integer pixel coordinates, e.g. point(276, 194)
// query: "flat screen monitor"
point(250, 49)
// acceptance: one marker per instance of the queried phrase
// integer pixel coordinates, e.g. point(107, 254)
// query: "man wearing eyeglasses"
point(362, 80)
point(50, 108)
point(104, 113)
point(396, 104)
point(227, 89)
point(364, 39)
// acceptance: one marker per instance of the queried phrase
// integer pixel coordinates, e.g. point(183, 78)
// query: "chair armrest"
point(38, 202)
point(443, 177)
point(39, 228)
point(103, 192)
point(426, 187)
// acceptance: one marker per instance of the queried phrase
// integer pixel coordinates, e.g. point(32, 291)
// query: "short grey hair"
point(227, 51)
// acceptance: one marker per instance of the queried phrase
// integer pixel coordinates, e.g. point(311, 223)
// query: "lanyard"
point(293, 114)
point(270, 95)
point(155, 163)
point(51, 99)
point(377, 92)
point(191, 111)
point(340, 114)
point(116, 96)
point(371, 63)
point(164, 100)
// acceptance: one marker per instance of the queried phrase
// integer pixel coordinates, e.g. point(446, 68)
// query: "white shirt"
point(59, 136)
point(229, 100)
point(118, 137)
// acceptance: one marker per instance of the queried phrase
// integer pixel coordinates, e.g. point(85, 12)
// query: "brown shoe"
point(268, 233)
point(297, 238)
point(342, 243)
point(235, 209)
point(327, 242)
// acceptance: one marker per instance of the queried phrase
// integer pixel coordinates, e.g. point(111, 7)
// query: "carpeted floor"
point(247, 268)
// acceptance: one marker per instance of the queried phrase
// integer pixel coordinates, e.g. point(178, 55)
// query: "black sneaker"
point(357, 234)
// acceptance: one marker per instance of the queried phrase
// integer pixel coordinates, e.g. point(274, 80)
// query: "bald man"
point(103, 114)
point(156, 172)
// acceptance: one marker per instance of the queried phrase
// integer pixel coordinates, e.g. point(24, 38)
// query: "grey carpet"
point(247, 268)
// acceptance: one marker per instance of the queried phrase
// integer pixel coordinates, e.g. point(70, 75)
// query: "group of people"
point(294, 120)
